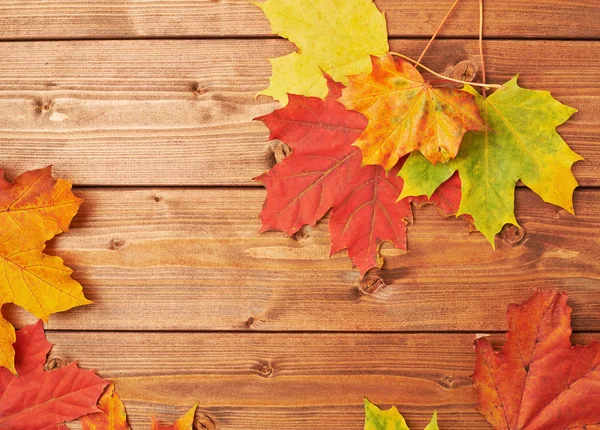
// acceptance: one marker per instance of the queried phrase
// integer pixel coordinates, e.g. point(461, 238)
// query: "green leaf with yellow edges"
point(337, 36)
point(376, 419)
point(520, 143)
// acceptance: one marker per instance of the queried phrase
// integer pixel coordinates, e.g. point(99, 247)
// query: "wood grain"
point(285, 381)
point(80, 19)
point(192, 259)
point(180, 112)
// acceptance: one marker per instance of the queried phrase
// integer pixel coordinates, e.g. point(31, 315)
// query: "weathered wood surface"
point(192, 259)
point(200, 307)
point(80, 19)
point(180, 112)
point(285, 381)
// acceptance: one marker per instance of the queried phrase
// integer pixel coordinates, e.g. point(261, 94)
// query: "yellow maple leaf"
point(33, 210)
point(336, 36)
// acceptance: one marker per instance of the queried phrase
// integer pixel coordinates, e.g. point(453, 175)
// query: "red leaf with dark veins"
point(538, 381)
point(324, 171)
point(39, 400)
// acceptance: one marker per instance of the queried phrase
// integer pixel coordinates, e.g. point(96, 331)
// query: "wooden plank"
point(192, 259)
point(60, 19)
point(285, 381)
point(179, 112)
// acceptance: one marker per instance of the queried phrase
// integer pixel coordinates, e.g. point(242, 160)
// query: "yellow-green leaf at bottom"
point(336, 36)
point(376, 419)
point(521, 143)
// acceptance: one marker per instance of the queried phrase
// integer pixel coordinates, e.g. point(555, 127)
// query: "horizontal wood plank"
point(192, 259)
point(60, 19)
point(285, 381)
point(180, 112)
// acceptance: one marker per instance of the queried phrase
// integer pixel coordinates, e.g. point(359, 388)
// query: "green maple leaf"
point(376, 419)
point(520, 143)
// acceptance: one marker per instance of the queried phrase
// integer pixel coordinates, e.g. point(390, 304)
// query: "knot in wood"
point(116, 244)
point(513, 235)
point(265, 369)
point(44, 107)
point(278, 151)
point(302, 234)
point(464, 71)
point(204, 422)
point(55, 363)
point(371, 284)
point(449, 381)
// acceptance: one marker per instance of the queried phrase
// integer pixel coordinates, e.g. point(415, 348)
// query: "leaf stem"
point(438, 30)
point(446, 78)
point(481, 45)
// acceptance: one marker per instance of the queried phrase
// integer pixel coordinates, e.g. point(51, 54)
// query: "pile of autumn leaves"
point(369, 136)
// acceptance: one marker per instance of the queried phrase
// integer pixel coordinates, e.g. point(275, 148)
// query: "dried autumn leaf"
point(538, 381)
point(406, 113)
point(336, 36)
point(33, 210)
point(520, 143)
point(324, 171)
point(39, 400)
point(112, 414)
point(376, 419)
point(184, 423)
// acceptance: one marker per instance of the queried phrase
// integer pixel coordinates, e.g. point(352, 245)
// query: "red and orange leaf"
point(406, 113)
point(324, 172)
point(539, 381)
point(33, 210)
point(184, 423)
point(112, 415)
point(39, 400)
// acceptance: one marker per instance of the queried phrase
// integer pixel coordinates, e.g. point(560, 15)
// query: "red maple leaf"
point(538, 380)
point(39, 400)
point(324, 172)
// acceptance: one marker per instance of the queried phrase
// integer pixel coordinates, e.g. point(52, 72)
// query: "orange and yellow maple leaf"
point(33, 210)
point(112, 415)
point(406, 113)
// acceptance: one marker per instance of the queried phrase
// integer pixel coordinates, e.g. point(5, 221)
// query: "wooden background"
point(146, 105)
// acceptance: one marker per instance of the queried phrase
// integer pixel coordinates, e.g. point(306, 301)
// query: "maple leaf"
point(39, 400)
point(33, 210)
point(538, 380)
point(520, 143)
point(336, 36)
point(406, 113)
point(324, 171)
point(376, 419)
point(184, 423)
point(112, 414)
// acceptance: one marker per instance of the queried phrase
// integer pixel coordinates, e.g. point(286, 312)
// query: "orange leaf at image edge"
point(538, 380)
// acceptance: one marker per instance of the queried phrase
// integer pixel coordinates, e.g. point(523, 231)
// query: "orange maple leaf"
point(112, 415)
point(538, 380)
point(406, 113)
point(33, 210)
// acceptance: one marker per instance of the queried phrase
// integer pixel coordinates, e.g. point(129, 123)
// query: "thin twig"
point(446, 78)
point(438, 30)
point(481, 45)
